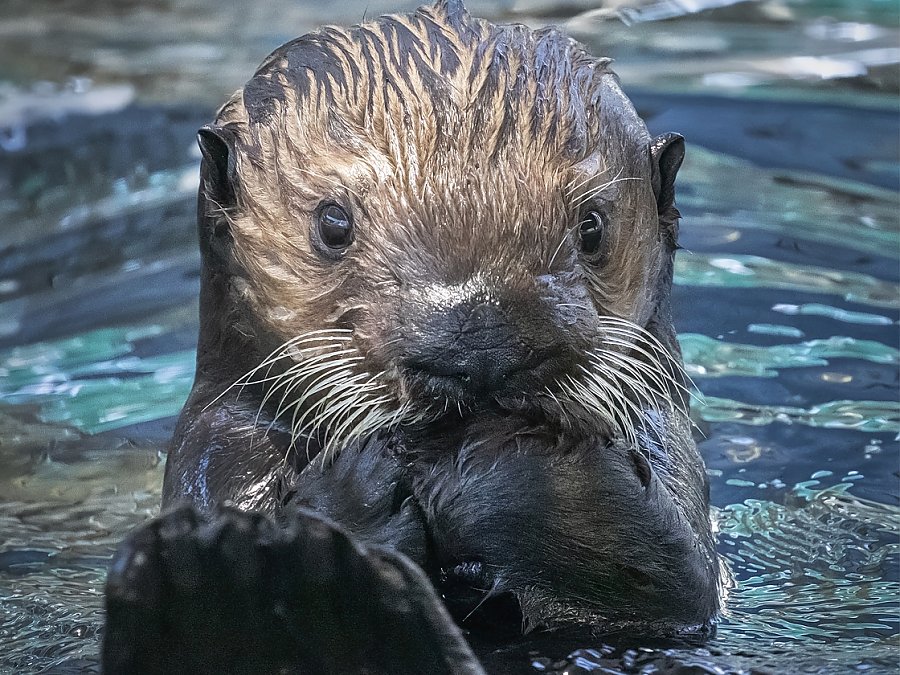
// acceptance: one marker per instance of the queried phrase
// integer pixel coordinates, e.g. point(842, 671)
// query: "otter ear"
point(218, 169)
point(666, 155)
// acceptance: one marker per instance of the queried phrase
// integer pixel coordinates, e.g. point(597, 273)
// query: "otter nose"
point(469, 349)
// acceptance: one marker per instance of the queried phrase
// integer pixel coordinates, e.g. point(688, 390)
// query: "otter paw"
point(236, 594)
point(365, 489)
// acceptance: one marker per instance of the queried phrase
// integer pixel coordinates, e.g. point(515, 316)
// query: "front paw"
point(236, 594)
point(184, 594)
point(366, 489)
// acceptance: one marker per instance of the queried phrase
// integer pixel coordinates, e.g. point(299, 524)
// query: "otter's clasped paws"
point(235, 594)
point(366, 489)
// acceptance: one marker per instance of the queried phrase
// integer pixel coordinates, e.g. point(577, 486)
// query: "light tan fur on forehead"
point(410, 87)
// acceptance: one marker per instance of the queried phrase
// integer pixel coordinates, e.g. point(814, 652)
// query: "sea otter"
point(436, 356)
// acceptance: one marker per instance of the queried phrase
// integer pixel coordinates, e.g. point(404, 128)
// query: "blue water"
point(787, 298)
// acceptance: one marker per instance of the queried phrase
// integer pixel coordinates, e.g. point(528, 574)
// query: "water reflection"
point(788, 297)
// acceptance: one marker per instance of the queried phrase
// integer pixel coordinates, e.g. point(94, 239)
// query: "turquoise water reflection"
point(94, 382)
point(788, 298)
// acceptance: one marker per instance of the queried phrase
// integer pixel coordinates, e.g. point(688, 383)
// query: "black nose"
point(467, 350)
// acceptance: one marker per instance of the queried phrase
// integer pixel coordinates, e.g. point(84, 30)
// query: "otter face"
point(431, 215)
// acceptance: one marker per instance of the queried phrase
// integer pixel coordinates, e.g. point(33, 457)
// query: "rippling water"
point(787, 299)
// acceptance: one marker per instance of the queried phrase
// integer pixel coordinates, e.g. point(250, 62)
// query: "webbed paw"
point(237, 594)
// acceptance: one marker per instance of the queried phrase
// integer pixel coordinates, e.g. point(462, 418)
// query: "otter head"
point(430, 215)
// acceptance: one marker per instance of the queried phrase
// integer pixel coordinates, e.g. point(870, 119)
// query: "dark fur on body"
point(467, 154)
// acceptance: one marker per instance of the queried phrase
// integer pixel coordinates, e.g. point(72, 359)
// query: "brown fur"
point(527, 393)
point(445, 134)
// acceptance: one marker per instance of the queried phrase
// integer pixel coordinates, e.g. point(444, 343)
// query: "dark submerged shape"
point(435, 344)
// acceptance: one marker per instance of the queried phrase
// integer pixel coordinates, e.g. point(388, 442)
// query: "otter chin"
point(437, 262)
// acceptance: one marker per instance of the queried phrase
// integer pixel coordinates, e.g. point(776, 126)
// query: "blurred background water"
point(787, 296)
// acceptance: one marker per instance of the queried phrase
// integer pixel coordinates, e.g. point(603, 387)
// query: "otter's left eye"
point(335, 227)
point(591, 230)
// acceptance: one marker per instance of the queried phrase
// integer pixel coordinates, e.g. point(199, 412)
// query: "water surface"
point(787, 300)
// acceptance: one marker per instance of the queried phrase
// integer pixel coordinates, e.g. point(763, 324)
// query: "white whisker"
point(321, 392)
point(627, 374)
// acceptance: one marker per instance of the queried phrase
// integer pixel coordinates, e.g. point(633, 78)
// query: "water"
point(787, 299)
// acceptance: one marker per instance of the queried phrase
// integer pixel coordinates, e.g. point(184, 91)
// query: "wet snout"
point(471, 350)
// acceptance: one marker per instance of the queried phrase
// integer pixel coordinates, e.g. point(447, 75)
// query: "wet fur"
point(472, 151)
point(465, 161)
point(579, 533)
point(466, 152)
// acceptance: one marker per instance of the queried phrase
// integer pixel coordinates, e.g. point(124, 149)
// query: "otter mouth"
point(491, 377)
point(600, 388)
point(498, 381)
point(324, 383)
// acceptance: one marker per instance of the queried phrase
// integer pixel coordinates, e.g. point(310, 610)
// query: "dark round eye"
point(335, 227)
point(591, 230)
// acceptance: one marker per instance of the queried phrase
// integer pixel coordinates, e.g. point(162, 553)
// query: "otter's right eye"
point(335, 227)
point(591, 228)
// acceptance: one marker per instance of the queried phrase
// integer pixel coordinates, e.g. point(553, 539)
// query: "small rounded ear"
point(666, 155)
point(218, 170)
